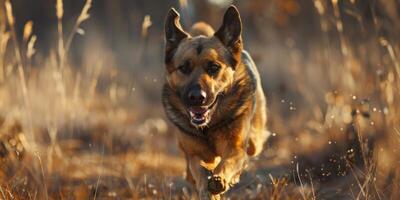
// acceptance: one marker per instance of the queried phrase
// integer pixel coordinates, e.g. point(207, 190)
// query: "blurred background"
point(80, 99)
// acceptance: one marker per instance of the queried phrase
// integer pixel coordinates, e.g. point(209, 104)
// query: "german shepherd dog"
point(213, 94)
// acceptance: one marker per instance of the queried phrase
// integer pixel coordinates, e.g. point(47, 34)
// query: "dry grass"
point(70, 132)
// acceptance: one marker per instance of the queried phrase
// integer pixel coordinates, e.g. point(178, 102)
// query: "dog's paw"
point(216, 184)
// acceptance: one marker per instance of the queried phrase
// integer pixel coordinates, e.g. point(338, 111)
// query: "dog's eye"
point(213, 68)
point(185, 68)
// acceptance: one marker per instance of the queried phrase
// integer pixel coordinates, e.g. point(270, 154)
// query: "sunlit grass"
point(79, 132)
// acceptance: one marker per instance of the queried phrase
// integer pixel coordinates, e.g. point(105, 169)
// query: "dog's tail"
point(201, 28)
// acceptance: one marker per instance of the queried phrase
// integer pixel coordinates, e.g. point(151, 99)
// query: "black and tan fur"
point(218, 151)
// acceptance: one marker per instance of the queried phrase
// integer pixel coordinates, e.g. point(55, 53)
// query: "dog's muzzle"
point(201, 115)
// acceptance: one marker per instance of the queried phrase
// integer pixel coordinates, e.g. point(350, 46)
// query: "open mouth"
point(200, 115)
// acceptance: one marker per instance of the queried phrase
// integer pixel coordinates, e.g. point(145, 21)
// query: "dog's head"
point(201, 68)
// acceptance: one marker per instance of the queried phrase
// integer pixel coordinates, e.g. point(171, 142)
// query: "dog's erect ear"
point(230, 33)
point(174, 33)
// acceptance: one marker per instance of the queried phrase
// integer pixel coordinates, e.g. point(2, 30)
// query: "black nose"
point(197, 96)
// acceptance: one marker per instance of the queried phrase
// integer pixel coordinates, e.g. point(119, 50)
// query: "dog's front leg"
point(231, 146)
point(200, 175)
point(227, 171)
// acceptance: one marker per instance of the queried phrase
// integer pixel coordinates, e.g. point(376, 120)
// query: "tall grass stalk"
point(61, 49)
point(83, 16)
point(20, 64)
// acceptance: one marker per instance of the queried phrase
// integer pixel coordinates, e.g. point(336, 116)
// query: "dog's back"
point(201, 28)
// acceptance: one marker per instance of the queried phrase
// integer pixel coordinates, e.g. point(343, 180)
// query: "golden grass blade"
point(4, 39)
point(10, 17)
point(31, 47)
point(85, 12)
point(393, 57)
point(61, 48)
point(27, 30)
point(59, 9)
point(146, 25)
point(84, 15)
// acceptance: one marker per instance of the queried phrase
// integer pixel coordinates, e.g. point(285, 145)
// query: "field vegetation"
point(81, 115)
